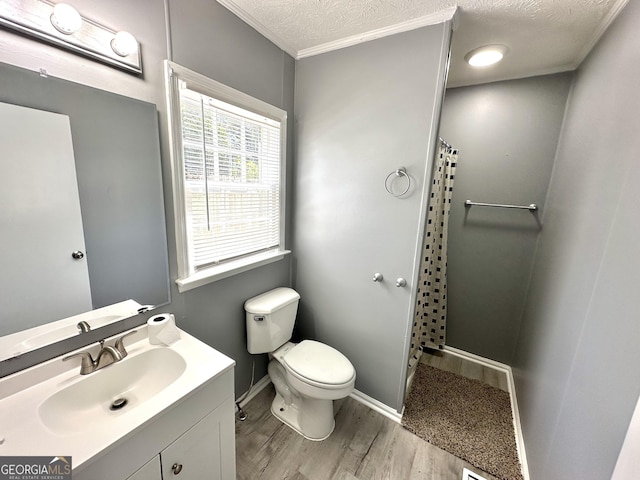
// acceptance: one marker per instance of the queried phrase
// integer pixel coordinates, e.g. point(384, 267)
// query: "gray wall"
point(362, 112)
point(208, 39)
point(507, 134)
point(577, 356)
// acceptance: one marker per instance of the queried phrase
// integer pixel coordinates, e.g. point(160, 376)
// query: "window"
point(228, 162)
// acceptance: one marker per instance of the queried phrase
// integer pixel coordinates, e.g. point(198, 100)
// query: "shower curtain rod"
point(445, 143)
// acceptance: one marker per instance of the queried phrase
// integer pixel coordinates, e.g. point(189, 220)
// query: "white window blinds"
point(231, 169)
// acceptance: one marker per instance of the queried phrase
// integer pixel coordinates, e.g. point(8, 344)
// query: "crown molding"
point(259, 27)
point(598, 32)
point(431, 19)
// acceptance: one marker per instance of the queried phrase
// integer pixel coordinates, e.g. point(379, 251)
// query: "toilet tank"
point(270, 318)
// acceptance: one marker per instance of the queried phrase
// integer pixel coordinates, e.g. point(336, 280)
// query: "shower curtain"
point(429, 325)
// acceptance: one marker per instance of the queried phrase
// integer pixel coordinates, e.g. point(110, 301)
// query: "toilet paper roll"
point(163, 330)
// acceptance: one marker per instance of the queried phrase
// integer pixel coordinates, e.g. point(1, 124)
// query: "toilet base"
point(313, 419)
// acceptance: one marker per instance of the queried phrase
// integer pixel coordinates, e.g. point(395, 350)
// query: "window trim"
point(189, 278)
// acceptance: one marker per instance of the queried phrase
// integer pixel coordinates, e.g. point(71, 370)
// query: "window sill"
point(216, 273)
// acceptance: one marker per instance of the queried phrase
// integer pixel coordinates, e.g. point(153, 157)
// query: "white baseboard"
point(376, 406)
point(255, 390)
point(472, 357)
point(506, 369)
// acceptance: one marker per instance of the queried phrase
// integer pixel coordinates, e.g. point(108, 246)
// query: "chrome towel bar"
point(532, 207)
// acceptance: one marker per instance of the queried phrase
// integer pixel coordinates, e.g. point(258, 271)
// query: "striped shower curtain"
point(429, 326)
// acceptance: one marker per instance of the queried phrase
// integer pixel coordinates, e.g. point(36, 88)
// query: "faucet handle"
point(86, 364)
point(120, 343)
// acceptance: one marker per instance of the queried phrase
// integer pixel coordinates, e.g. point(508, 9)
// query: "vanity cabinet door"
point(151, 471)
point(206, 451)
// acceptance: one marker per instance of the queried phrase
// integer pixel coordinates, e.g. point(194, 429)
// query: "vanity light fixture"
point(66, 19)
point(124, 44)
point(61, 25)
point(487, 55)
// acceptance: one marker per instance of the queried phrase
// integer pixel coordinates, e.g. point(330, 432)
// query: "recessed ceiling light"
point(485, 56)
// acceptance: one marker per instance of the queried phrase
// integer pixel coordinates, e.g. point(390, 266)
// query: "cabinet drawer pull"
point(176, 468)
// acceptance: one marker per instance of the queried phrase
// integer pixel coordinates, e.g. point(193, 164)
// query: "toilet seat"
point(319, 365)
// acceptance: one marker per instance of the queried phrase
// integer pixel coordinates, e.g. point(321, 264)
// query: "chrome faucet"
point(107, 355)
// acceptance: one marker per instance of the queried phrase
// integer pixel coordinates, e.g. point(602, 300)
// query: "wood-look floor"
point(364, 446)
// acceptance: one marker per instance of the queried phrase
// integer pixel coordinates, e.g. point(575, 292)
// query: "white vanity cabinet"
point(202, 452)
point(133, 419)
point(150, 471)
point(197, 436)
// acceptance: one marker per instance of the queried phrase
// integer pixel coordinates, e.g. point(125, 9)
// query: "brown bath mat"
point(465, 417)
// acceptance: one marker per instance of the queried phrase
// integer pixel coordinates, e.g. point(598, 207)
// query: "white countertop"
point(23, 433)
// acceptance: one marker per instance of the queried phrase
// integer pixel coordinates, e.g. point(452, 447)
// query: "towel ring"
point(400, 172)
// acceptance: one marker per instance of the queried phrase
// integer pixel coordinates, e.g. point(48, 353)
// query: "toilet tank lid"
point(271, 301)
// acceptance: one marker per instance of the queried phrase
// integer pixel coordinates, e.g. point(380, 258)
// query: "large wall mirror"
point(114, 143)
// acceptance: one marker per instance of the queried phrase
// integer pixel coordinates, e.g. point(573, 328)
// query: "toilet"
point(307, 376)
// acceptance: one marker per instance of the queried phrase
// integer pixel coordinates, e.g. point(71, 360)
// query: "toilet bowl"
point(307, 376)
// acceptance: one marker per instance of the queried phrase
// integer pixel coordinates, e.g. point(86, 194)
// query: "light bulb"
point(66, 19)
point(124, 44)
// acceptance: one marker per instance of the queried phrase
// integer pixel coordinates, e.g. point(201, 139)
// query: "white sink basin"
point(89, 402)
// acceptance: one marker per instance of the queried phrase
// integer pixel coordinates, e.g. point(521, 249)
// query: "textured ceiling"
point(543, 36)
